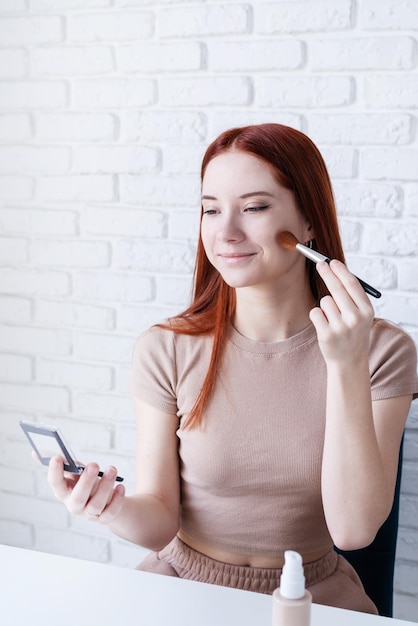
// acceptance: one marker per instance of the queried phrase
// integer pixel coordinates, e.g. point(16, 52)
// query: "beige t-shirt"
point(251, 476)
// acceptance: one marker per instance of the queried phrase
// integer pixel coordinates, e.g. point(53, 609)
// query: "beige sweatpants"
point(331, 580)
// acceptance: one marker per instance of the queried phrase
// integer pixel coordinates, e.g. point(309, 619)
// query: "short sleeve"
point(393, 362)
point(153, 374)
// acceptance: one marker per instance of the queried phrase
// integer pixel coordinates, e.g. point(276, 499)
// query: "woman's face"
point(244, 209)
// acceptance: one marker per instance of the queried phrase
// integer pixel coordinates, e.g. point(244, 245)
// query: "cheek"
point(207, 232)
point(206, 242)
point(270, 239)
point(204, 237)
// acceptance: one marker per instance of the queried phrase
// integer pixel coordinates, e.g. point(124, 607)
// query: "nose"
point(229, 229)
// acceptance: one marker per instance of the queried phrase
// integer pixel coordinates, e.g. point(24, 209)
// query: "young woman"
point(270, 412)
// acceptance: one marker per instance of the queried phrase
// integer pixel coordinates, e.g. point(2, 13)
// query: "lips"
point(235, 257)
point(235, 253)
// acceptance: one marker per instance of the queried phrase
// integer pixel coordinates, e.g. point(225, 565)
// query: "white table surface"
point(49, 590)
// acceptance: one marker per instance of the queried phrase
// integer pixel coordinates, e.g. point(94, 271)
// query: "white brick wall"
point(106, 107)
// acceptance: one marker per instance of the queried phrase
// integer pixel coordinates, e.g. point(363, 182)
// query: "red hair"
point(298, 165)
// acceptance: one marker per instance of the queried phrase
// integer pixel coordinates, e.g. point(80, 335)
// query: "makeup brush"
point(288, 240)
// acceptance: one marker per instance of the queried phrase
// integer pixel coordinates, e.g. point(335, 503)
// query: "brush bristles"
point(287, 240)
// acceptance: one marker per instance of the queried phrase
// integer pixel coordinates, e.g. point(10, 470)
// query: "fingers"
point(101, 494)
point(112, 507)
point(343, 286)
point(61, 486)
point(319, 320)
point(343, 319)
point(86, 494)
point(87, 484)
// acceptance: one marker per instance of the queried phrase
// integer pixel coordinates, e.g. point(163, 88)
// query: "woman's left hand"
point(343, 319)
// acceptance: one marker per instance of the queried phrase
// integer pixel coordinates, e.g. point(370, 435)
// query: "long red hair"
point(298, 166)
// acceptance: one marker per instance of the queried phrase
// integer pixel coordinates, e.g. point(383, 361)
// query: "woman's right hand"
point(96, 499)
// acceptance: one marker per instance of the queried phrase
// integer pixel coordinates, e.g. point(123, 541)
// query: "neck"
point(273, 316)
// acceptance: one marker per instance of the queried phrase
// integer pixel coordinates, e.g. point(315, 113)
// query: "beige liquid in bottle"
point(291, 601)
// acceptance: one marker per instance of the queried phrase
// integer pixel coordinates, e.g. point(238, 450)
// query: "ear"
point(309, 232)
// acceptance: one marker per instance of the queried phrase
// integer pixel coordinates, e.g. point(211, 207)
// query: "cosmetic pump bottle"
point(291, 601)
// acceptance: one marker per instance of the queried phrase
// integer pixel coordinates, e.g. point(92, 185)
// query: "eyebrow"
point(244, 195)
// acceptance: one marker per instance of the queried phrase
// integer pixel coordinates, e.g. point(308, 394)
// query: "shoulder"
point(165, 340)
point(162, 360)
point(393, 361)
point(150, 343)
point(388, 337)
point(157, 335)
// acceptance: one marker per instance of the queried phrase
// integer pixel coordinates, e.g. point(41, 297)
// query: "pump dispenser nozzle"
point(292, 602)
point(292, 580)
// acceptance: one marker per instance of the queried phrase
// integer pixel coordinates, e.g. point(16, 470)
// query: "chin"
point(240, 283)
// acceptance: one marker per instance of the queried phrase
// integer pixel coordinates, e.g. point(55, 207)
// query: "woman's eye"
point(209, 211)
point(257, 208)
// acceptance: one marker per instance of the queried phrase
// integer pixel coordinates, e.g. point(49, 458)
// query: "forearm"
point(355, 490)
point(146, 521)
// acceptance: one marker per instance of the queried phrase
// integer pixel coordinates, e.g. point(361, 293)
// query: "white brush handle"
point(315, 256)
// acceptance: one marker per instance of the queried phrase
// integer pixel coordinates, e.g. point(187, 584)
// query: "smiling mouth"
point(236, 256)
